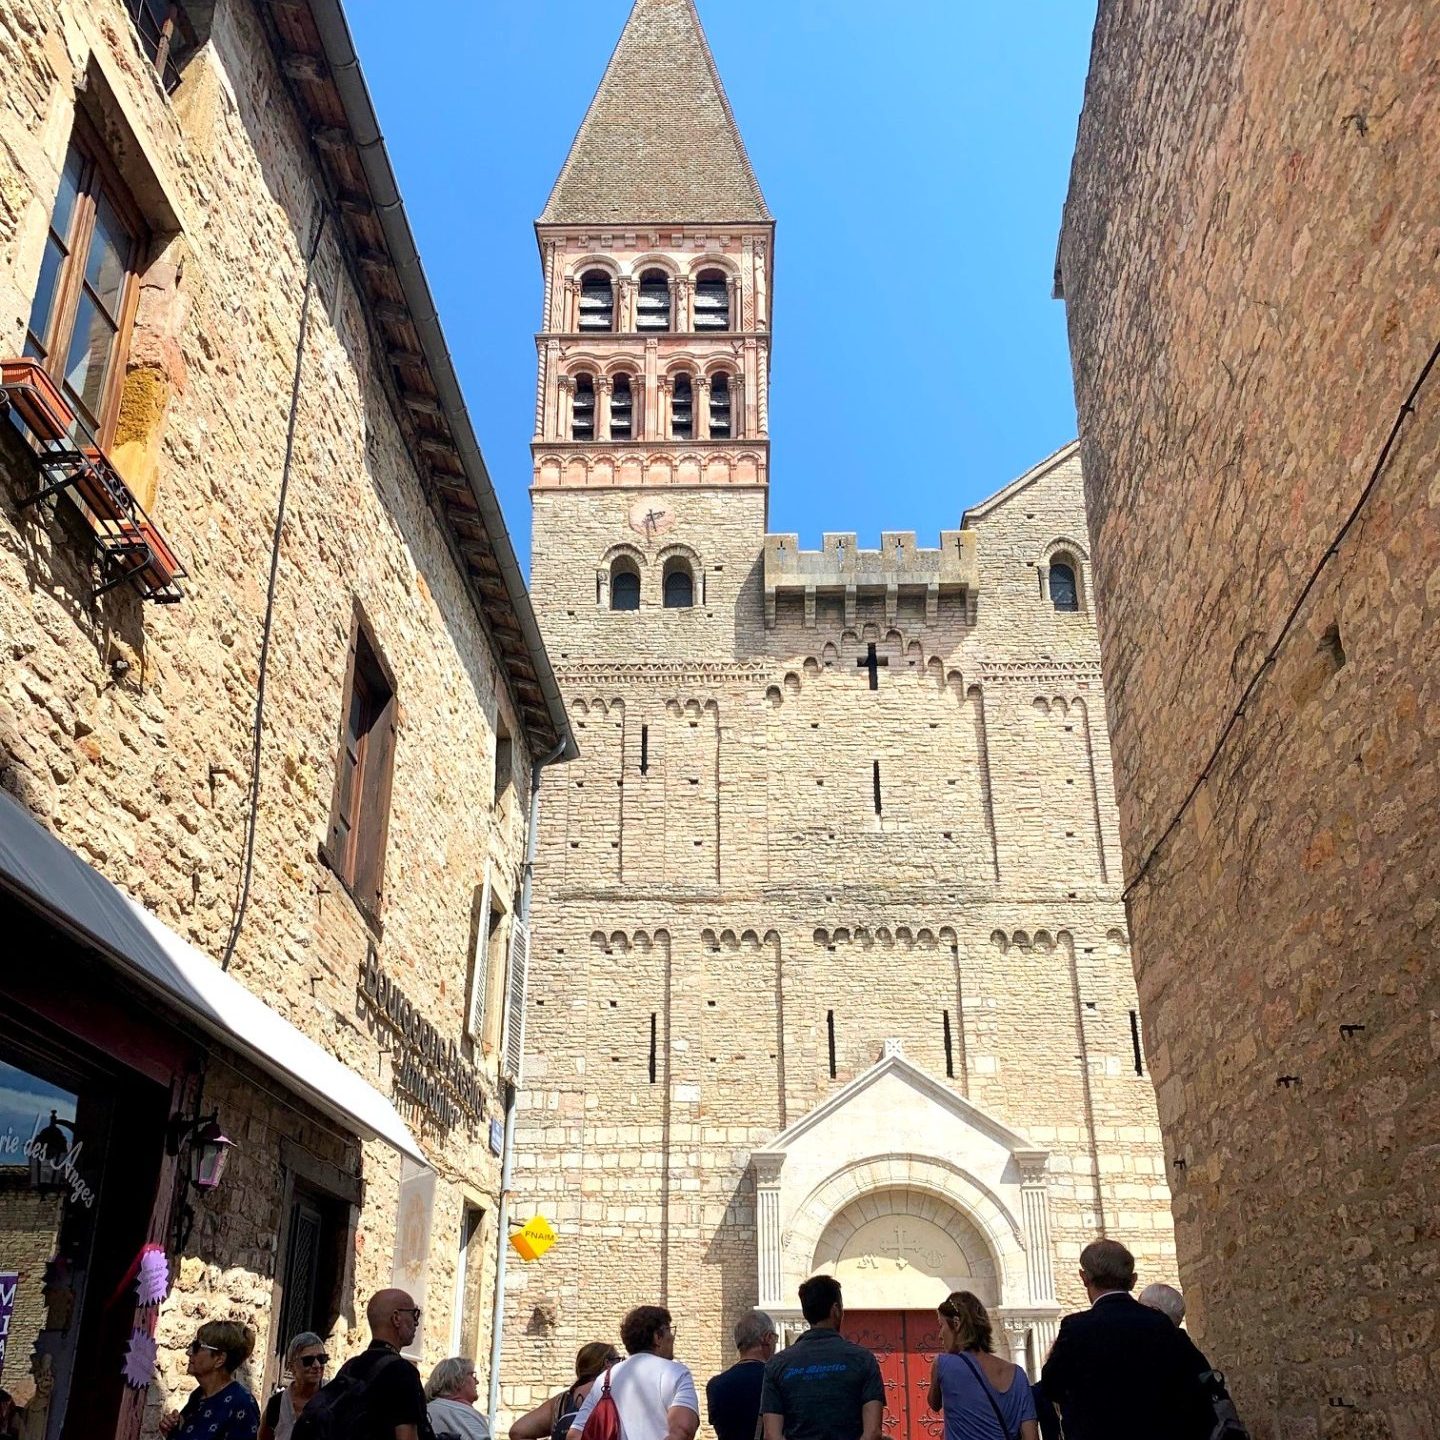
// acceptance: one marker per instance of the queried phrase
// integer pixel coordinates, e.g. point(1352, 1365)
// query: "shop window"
point(597, 301)
point(652, 305)
point(624, 585)
point(622, 410)
point(315, 1240)
point(682, 409)
point(1063, 592)
point(721, 427)
point(83, 308)
point(361, 809)
point(582, 412)
point(679, 584)
point(712, 300)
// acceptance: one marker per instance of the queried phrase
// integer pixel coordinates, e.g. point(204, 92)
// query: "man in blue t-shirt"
point(823, 1387)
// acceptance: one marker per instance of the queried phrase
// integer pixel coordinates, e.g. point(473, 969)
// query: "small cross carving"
point(872, 662)
point(653, 518)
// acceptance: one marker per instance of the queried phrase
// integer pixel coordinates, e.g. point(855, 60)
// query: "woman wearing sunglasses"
point(305, 1359)
point(220, 1407)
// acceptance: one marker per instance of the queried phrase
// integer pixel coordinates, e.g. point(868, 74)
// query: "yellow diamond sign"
point(534, 1239)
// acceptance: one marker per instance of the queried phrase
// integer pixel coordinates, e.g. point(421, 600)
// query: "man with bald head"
point(378, 1394)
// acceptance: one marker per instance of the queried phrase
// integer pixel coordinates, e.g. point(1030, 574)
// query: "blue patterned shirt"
point(228, 1414)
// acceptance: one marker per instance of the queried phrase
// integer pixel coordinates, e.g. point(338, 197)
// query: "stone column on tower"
point(684, 315)
point(702, 407)
point(564, 406)
point(662, 407)
point(650, 413)
point(604, 389)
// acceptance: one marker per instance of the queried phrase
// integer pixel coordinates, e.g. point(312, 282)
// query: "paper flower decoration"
point(153, 1281)
point(139, 1368)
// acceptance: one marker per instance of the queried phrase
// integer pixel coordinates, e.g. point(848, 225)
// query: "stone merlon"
point(842, 568)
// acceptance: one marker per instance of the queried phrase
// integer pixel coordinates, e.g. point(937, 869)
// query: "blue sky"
point(915, 158)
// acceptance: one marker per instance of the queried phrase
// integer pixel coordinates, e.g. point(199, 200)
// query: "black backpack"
point(1227, 1420)
point(339, 1410)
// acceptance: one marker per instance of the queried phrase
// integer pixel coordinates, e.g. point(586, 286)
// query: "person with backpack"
point(1171, 1303)
point(555, 1416)
point(305, 1359)
point(649, 1395)
point(378, 1394)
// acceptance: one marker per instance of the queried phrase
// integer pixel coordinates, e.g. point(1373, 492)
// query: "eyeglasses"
point(411, 1310)
point(196, 1346)
point(313, 1359)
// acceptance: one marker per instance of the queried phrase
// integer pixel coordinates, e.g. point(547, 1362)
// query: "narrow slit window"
point(1135, 1042)
point(682, 409)
point(582, 421)
point(720, 413)
point(652, 304)
point(1063, 592)
point(654, 1044)
point(712, 301)
point(830, 1034)
point(622, 410)
point(644, 749)
point(597, 301)
point(949, 1047)
point(875, 781)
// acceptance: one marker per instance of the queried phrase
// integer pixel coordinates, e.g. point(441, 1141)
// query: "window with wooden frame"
point(360, 812)
point(84, 305)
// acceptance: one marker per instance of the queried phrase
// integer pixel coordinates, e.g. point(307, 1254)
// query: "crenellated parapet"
point(842, 568)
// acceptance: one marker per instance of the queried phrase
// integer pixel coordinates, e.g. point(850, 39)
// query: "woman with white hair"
point(305, 1359)
point(452, 1390)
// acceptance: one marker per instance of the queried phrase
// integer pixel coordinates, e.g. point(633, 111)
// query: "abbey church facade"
point(829, 966)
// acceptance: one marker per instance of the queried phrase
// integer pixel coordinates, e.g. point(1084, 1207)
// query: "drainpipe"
point(507, 1163)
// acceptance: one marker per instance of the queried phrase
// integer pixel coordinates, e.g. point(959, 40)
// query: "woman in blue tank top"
point(983, 1396)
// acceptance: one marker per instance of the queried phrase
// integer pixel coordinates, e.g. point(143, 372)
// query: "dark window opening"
point(830, 1032)
point(624, 586)
point(165, 37)
point(720, 417)
point(682, 409)
point(361, 809)
point(654, 1043)
point(875, 781)
point(1135, 1042)
point(712, 301)
point(582, 414)
point(652, 304)
point(679, 585)
point(1063, 594)
point(622, 410)
point(644, 749)
point(597, 301)
point(949, 1048)
point(314, 1265)
point(82, 311)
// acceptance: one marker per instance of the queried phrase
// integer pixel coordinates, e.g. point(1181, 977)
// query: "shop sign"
point(428, 1070)
point(497, 1136)
point(9, 1281)
point(533, 1239)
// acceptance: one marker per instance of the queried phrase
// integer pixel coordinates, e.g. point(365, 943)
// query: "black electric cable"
point(1407, 409)
point(257, 728)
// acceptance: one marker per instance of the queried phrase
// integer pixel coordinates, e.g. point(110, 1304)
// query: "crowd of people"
point(1122, 1369)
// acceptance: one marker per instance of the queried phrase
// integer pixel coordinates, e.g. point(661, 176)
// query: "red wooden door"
point(905, 1343)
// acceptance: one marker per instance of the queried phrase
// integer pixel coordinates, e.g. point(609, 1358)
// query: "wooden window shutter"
point(512, 1049)
point(346, 762)
point(377, 775)
point(480, 975)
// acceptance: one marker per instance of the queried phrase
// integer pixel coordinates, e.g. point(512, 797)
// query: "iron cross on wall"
point(872, 662)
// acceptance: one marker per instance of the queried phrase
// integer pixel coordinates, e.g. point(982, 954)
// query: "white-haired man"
point(732, 1398)
point(1167, 1300)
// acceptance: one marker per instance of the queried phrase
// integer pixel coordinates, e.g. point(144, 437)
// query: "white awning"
point(40, 869)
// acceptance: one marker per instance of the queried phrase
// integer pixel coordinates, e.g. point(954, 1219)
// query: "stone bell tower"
point(655, 342)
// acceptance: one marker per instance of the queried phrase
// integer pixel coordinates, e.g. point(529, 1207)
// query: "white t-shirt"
point(645, 1387)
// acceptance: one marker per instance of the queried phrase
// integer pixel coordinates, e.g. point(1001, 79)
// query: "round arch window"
point(1064, 594)
point(624, 586)
point(679, 585)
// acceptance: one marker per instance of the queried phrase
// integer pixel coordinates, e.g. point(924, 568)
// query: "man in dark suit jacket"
point(1119, 1370)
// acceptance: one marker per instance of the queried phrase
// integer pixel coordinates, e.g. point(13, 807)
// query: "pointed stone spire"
point(658, 144)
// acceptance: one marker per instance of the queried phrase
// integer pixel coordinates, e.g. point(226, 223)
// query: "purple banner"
point(9, 1283)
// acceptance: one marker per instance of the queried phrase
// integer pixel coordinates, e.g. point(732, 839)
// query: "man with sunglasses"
point(378, 1394)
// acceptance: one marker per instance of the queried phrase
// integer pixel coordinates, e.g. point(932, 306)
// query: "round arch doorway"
point(898, 1253)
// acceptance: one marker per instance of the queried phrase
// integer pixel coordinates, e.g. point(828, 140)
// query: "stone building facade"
point(1248, 266)
point(830, 968)
point(204, 267)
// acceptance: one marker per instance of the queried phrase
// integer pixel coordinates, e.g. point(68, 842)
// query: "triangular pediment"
point(866, 1090)
point(658, 144)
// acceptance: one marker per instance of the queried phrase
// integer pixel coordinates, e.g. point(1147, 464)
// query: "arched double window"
point(712, 300)
point(682, 408)
point(678, 584)
point(652, 305)
point(721, 420)
point(582, 409)
point(597, 301)
point(624, 584)
point(622, 409)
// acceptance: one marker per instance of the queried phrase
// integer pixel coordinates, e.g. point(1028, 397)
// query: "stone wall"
point(713, 874)
point(1248, 263)
point(127, 728)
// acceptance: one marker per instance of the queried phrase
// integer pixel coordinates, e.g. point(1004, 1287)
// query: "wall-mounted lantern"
point(48, 1150)
point(206, 1145)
